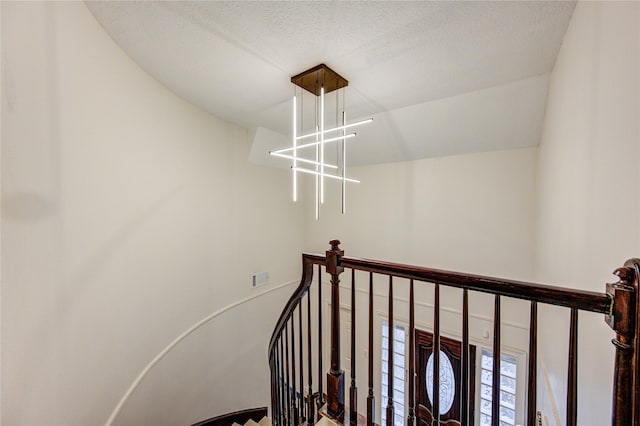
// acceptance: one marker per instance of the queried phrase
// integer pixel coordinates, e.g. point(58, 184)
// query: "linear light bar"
point(319, 81)
point(302, 160)
point(311, 172)
point(295, 152)
point(333, 129)
point(317, 178)
point(307, 145)
point(344, 162)
point(322, 141)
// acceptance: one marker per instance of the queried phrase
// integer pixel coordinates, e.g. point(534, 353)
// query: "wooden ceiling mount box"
point(312, 80)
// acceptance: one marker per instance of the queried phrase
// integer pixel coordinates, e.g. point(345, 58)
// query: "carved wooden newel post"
point(335, 377)
point(623, 321)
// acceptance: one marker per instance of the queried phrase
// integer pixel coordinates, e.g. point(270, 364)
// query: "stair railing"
point(293, 404)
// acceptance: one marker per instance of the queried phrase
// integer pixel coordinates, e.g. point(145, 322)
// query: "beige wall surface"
point(127, 216)
point(588, 187)
point(472, 213)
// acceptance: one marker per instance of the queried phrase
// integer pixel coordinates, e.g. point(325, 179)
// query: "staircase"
point(250, 417)
point(309, 389)
point(265, 421)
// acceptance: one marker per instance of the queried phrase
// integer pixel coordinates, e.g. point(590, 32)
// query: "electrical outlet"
point(261, 278)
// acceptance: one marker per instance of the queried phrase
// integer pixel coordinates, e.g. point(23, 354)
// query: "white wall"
point(588, 191)
point(472, 213)
point(127, 216)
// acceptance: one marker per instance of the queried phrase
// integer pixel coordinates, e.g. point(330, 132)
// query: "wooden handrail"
point(553, 295)
point(619, 303)
point(307, 275)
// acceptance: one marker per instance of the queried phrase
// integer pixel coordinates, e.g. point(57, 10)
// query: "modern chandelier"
point(319, 137)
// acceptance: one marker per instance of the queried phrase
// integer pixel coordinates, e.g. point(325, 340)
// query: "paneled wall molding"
point(180, 338)
point(455, 334)
point(426, 305)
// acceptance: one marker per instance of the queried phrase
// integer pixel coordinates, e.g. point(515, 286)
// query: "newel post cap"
point(621, 318)
point(333, 258)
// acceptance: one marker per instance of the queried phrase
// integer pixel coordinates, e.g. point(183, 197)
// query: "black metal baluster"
point(274, 392)
point(436, 357)
point(370, 398)
point(294, 406)
point(572, 379)
point(533, 366)
point(301, 405)
point(390, 408)
point(464, 392)
point(283, 385)
point(320, 372)
point(495, 390)
point(280, 381)
point(287, 369)
point(412, 373)
point(310, 403)
point(353, 391)
point(276, 385)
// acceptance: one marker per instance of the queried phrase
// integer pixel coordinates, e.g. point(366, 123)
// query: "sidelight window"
point(398, 353)
point(508, 379)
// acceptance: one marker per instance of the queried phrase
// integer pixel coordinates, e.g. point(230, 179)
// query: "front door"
point(450, 375)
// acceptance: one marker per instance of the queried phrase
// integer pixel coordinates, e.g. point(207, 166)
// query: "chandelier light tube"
point(295, 151)
point(311, 172)
point(344, 160)
point(302, 160)
point(334, 129)
point(307, 145)
point(317, 178)
point(319, 81)
point(322, 145)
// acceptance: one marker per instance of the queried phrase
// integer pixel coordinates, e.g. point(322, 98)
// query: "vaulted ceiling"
point(439, 78)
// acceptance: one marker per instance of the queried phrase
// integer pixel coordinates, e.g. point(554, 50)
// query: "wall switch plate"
point(261, 278)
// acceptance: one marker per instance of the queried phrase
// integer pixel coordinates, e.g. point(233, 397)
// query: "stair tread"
point(325, 421)
point(266, 421)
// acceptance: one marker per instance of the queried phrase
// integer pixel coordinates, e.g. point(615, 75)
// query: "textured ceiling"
point(440, 78)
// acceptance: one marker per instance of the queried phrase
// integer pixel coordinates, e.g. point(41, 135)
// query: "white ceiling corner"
point(440, 78)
